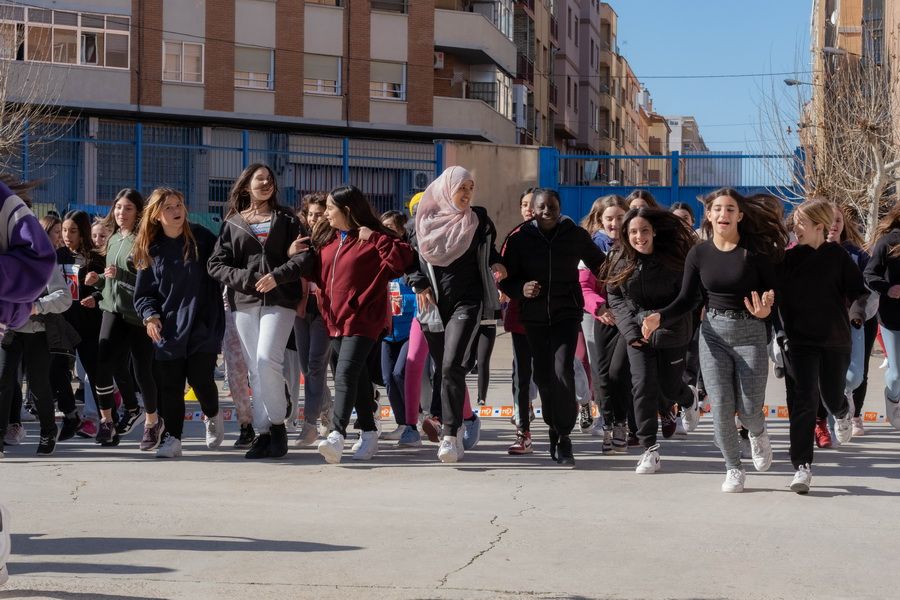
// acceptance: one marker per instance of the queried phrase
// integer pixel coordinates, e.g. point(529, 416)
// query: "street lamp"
point(793, 82)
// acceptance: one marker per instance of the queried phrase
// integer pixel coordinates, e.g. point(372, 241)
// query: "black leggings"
point(657, 384)
point(118, 340)
point(487, 335)
point(352, 384)
point(614, 374)
point(32, 351)
point(61, 382)
point(88, 327)
point(521, 379)
point(450, 350)
point(553, 352)
point(199, 372)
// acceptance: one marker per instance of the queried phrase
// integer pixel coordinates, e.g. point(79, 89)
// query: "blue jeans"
point(393, 372)
point(314, 348)
point(892, 377)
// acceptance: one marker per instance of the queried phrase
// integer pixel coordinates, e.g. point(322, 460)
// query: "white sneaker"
point(309, 433)
point(843, 429)
point(15, 434)
point(332, 447)
point(680, 430)
point(802, 480)
point(215, 431)
point(170, 447)
point(356, 445)
point(761, 451)
point(448, 450)
point(393, 435)
point(4, 544)
point(690, 416)
point(734, 481)
point(857, 425)
point(368, 446)
point(892, 412)
point(649, 462)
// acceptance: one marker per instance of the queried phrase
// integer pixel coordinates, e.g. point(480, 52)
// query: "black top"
point(725, 278)
point(550, 258)
point(816, 286)
point(882, 272)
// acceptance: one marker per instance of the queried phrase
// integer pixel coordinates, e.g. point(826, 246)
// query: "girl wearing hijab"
point(455, 288)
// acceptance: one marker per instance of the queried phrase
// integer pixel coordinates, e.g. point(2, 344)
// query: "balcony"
point(473, 38)
point(525, 69)
point(566, 125)
point(529, 4)
point(473, 118)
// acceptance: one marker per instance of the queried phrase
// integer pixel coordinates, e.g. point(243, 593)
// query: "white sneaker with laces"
point(680, 430)
point(215, 431)
point(332, 447)
point(690, 416)
point(802, 480)
point(170, 447)
point(843, 429)
point(892, 412)
point(309, 433)
point(859, 429)
point(15, 434)
point(448, 452)
point(761, 451)
point(649, 462)
point(734, 481)
point(368, 446)
point(393, 435)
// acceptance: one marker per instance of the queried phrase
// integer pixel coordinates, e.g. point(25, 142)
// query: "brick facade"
point(357, 24)
point(420, 68)
point(289, 58)
point(146, 52)
point(219, 55)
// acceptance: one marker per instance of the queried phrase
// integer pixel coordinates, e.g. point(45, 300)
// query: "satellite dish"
point(834, 18)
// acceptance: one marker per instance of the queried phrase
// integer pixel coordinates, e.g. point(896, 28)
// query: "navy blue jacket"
point(187, 300)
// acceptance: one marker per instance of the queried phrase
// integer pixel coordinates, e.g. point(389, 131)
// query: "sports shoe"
point(431, 427)
point(607, 446)
point(129, 420)
point(481, 402)
point(620, 438)
point(471, 432)
point(585, 417)
point(843, 429)
point(170, 447)
point(88, 429)
point(761, 451)
point(278, 444)
point(15, 434)
point(892, 412)
point(368, 446)
point(734, 481)
point(690, 416)
point(69, 426)
point(649, 462)
point(107, 434)
point(564, 452)
point(308, 436)
point(668, 423)
point(332, 447)
point(4, 543)
point(410, 438)
point(260, 447)
point(823, 436)
point(215, 431)
point(393, 435)
point(152, 435)
point(25, 415)
point(448, 452)
point(47, 441)
point(245, 438)
point(802, 480)
point(522, 445)
point(858, 429)
point(680, 431)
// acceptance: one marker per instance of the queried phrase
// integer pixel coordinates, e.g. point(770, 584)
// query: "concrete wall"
point(501, 174)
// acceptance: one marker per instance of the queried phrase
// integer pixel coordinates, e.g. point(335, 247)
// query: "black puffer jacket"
point(552, 260)
point(651, 286)
point(239, 260)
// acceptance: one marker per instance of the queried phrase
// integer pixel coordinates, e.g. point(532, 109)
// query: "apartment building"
point(535, 95)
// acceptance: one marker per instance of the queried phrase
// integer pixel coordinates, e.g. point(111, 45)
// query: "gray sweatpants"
point(735, 366)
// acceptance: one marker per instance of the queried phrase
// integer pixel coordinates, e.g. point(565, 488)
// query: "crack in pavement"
point(78, 485)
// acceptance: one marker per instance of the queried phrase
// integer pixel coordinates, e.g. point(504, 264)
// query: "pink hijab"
point(444, 232)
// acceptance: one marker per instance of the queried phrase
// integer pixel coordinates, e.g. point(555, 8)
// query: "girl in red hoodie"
point(357, 258)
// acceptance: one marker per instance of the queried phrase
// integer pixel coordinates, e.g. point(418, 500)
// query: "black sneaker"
point(260, 447)
point(565, 456)
point(47, 443)
point(107, 434)
point(586, 419)
point(245, 440)
point(70, 426)
point(129, 420)
point(554, 442)
point(278, 444)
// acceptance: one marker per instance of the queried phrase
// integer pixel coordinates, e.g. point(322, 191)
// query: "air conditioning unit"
point(420, 180)
point(438, 60)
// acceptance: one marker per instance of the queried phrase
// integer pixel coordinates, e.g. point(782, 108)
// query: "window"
point(64, 37)
point(322, 74)
point(326, 2)
point(387, 80)
point(399, 6)
point(569, 24)
point(568, 91)
point(182, 62)
point(576, 31)
point(253, 68)
point(575, 98)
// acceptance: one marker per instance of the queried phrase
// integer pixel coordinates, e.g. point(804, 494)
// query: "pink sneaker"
point(88, 429)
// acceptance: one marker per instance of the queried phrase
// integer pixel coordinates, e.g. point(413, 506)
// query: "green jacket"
point(118, 293)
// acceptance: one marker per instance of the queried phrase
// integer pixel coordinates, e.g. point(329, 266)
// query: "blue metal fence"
point(92, 159)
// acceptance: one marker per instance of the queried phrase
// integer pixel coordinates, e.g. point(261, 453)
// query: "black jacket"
point(552, 260)
point(882, 272)
point(651, 286)
point(240, 260)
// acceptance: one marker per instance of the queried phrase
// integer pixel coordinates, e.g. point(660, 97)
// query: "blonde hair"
point(593, 221)
point(150, 228)
point(819, 212)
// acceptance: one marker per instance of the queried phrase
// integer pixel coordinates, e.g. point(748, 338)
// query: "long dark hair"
point(762, 229)
point(672, 240)
point(83, 223)
point(353, 203)
point(132, 196)
point(239, 197)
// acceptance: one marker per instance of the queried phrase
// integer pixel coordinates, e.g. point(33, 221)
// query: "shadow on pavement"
point(40, 568)
point(60, 595)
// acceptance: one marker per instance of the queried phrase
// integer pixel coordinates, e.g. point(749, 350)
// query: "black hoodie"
point(551, 259)
point(882, 272)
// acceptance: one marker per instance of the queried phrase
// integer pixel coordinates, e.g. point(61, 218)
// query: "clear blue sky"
point(708, 37)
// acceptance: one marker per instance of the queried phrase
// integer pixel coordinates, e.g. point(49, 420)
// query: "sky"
point(716, 37)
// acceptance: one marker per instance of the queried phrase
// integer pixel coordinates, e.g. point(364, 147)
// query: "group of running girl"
point(632, 309)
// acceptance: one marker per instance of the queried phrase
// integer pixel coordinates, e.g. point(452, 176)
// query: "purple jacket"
point(26, 259)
